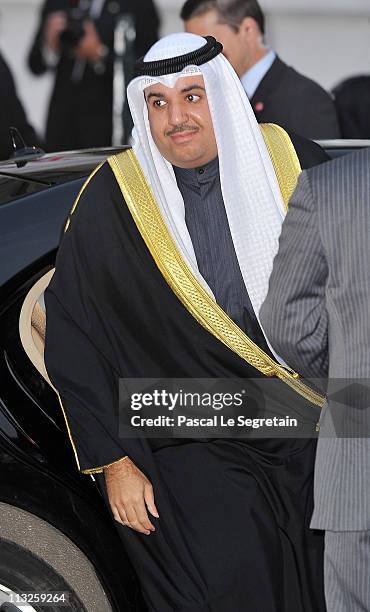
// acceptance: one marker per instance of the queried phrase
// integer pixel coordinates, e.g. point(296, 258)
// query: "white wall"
point(326, 47)
point(325, 39)
point(18, 20)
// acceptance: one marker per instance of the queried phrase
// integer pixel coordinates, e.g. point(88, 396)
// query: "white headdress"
point(250, 190)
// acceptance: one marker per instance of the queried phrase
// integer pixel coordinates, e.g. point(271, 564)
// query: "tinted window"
point(13, 188)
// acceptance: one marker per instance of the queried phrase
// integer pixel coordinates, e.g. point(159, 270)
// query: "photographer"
point(75, 38)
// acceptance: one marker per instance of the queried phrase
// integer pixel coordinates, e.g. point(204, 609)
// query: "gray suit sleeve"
point(294, 314)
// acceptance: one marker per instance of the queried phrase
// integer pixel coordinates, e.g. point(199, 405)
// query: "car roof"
point(56, 167)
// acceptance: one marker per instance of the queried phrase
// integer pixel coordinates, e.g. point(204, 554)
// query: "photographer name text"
point(217, 420)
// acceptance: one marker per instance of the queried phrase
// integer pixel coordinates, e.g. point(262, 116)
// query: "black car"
point(56, 533)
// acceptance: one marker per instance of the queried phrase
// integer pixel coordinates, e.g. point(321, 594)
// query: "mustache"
point(183, 127)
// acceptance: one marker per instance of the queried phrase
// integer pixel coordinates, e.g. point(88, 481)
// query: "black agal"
point(176, 64)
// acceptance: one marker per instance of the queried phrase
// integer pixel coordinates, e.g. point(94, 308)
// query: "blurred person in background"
point(12, 114)
point(278, 93)
point(352, 101)
point(80, 51)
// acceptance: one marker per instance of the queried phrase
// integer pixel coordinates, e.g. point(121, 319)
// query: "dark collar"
point(194, 176)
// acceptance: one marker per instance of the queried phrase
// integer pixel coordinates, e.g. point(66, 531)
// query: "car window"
point(13, 188)
point(31, 226)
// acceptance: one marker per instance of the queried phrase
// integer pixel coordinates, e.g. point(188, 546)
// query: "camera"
point(77, 13)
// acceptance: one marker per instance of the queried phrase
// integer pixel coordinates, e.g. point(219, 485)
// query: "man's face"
point(234, 43)
point(180, 122)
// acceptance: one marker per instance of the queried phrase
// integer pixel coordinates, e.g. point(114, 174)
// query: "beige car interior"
point(32, 324)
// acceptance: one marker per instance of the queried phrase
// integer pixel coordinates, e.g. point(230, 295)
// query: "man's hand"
point(54, 25)
point(90, 46)
point(130, 494)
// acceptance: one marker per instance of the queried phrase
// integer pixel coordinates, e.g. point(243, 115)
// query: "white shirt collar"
point(252, 78)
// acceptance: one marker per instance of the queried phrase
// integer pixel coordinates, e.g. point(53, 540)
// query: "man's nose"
point(177, 113)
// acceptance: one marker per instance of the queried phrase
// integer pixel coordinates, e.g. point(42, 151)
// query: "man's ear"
point(249, 27)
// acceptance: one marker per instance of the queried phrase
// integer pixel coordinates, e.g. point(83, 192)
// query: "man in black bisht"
point(75, 40)
point(164, 262)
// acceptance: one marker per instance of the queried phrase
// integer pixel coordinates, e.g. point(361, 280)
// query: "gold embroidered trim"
point(146, 214)
point(99, 470)
point(80, 194)
point(69, 431)
point(95, 470)
point(284, 159)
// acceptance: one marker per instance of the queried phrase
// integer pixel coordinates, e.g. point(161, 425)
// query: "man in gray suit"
point(317, 317)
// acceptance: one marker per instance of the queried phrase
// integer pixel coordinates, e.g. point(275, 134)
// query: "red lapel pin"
point(259, 106)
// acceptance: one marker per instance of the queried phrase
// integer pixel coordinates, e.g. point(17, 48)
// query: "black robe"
point(233, 532)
